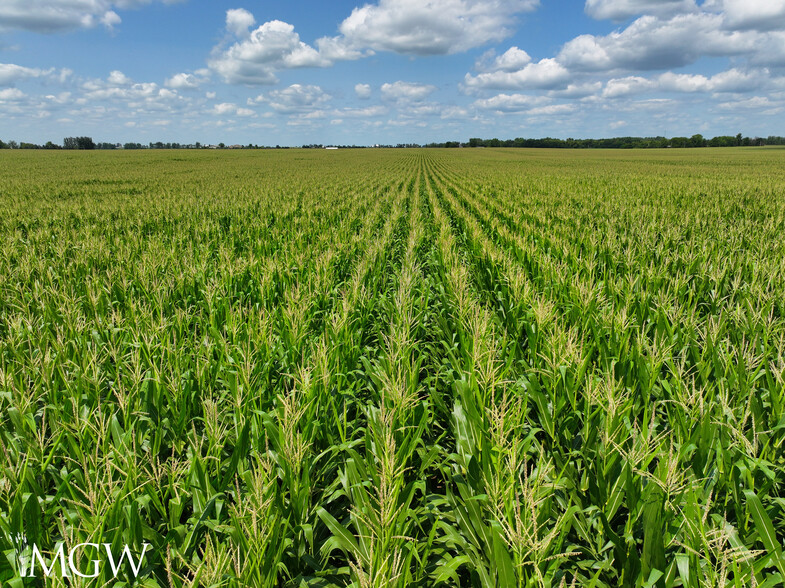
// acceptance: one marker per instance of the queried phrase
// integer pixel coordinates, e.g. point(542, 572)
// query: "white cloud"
point(119, 97)
point(225, 108)
point(239, 21)
point(52, 16)
point(616, 88)
point(297, 98)
point(11, 94)
point(755, 103)
point(334, 49)
point(652, 105)
point(418, 109)
point(578, 90)
point(623, 9)
point(406, 91)
point(64, 74)
point(552, 109)
point(367, 112)
point(511, 60)
point(650, 44)
point(732, 80)
point(11, 73)
point(546, 73)
point(118, 78)
point(61, 98)
point(510, 102)
point(762, 15)
point(258, 54)
point(436, 27)
point(101, 90)
point(454, 112)
point(109, 19)
point(187, 81)
point(363, 91)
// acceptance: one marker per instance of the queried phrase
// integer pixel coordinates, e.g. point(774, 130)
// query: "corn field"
point(394, 368)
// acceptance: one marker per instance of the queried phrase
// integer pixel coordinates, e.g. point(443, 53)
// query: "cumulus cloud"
point(255, 58)
point(11, 73)
point(453, 112)
point(733, 80)
point(410, 27)
point(418, 109)
point(510, 102)
point(367, 112)
point(546, 73)
point(297, 98)
point(730, 81)
point(552, 109)
point(107, 101)
point(763, 103)
point(623, 9)
point(126, 96)
point(650, 43)
point(437, 27)
point(257, 54)
point(616, 88)
point(52, 16)
point(188, 81)
point(578, 90)
point(11, 94)
point(761, 15)
point(363, 91)
point(118, 78)
point(406, 91)
point(334, 49)
point(224, 108)
point(239, 21)
point(231, 109)
point(511, 60)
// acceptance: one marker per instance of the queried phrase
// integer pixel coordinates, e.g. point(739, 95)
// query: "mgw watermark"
point(69, 561)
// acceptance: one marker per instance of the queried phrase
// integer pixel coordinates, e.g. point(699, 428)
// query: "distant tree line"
point(620, 142)
point(87, 143)
point(82, 143)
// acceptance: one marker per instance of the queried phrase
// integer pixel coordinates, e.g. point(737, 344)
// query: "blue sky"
point(389, 71)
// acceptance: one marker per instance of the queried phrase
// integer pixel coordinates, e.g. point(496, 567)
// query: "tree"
point(697, 141)
point(78, 143)
point(723, 141)
point(13, 145)
point(2, 145)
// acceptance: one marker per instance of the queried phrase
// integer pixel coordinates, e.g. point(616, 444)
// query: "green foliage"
point(394, 368)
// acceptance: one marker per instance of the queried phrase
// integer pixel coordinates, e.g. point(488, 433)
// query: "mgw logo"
point(71, 567)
